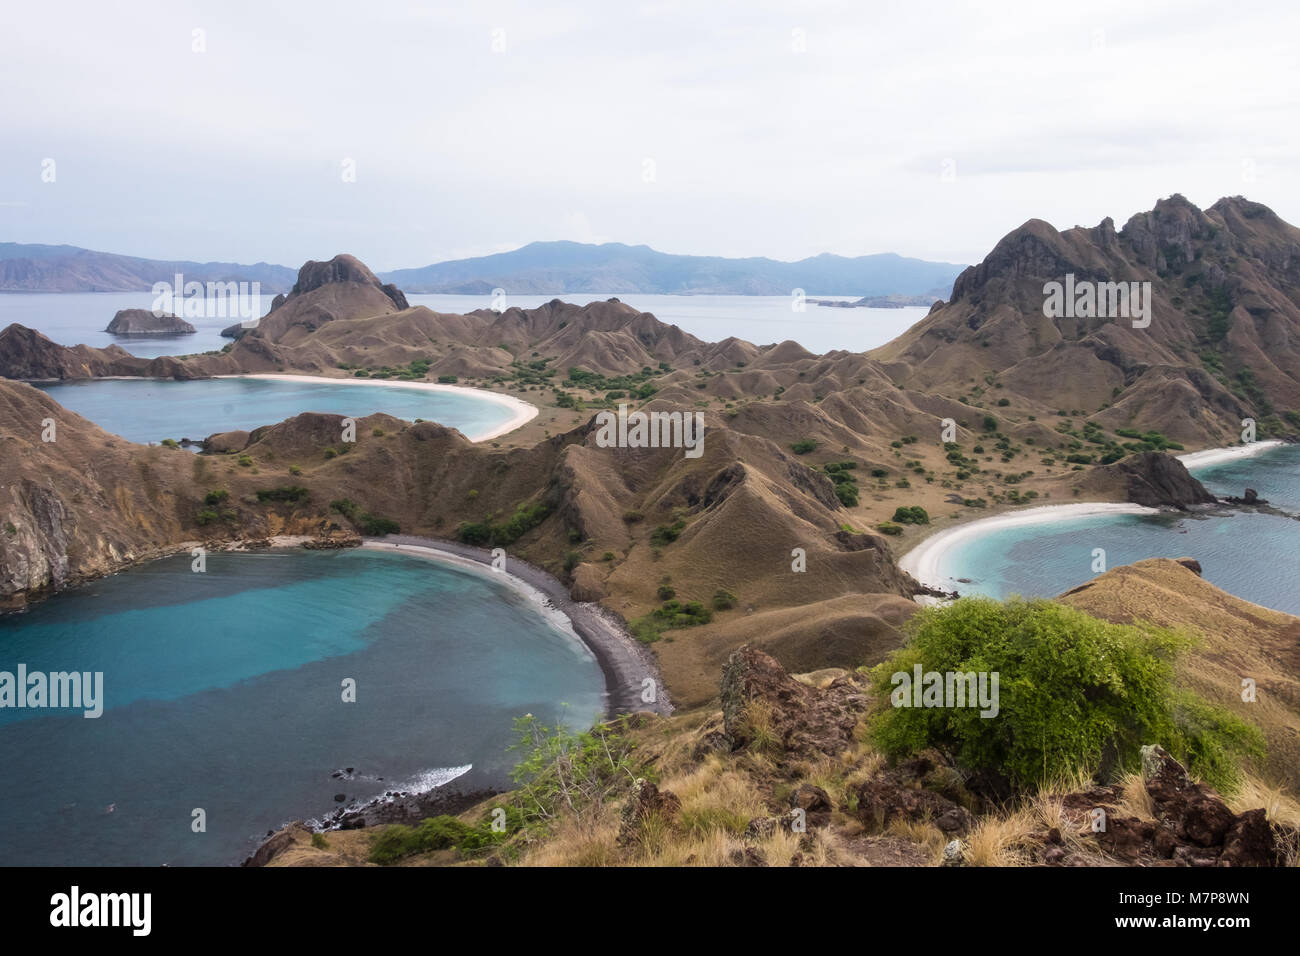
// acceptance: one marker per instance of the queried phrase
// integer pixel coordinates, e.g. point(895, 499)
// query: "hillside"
point(1223, 343)
point(557, 267)
point(43, 268)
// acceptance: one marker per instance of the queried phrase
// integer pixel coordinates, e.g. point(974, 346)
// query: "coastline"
point(923, 561)
point(623, 660)
point(1217, 456)
point(521, 412)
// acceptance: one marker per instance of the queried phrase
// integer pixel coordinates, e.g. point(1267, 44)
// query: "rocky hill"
point(1223, 341)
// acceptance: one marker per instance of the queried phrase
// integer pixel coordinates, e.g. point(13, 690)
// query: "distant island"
point(883, 301)
point(145, 322)
point(543, 268)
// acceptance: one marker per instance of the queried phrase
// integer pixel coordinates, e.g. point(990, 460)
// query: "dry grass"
point(1280, 806)
point(1002, 840)
point(924, 834)
point(1134, 800)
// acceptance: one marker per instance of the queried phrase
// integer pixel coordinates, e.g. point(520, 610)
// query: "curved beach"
point(923, 562)
point(1217, 456)
point(625, 662)
point(521, 411)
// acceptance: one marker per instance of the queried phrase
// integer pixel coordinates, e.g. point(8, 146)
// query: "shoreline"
point(623, 660)
point(521, 412)
point(924, 559)
point(1217, 456)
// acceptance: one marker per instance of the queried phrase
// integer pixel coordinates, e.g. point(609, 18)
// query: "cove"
point(1252, 554)
point(149, 410)
point(222, 691)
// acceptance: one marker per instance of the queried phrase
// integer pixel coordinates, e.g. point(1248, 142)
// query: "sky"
point(414, 133)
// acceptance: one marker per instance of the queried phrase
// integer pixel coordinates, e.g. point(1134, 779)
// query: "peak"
point(343, 268)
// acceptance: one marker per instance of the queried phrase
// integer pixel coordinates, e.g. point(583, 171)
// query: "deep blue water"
point(1253, 555)
point(223, 692)
point(149, 410)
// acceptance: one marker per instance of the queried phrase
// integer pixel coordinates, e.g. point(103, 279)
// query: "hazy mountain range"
point(539, 267)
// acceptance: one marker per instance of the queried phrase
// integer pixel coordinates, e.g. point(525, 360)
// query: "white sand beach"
point(924, 561)
point(522, 411)
point(1217, 456)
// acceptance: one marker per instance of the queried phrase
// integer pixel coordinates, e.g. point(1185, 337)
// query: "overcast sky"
point(738, 129)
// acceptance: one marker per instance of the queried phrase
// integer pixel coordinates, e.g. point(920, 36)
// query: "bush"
point(245, 461)
point(216, 497)
point(319, 842)
point(666, 592)
point(376, 525)
point(723, 600)
point(990, 423)
point(1076, 694)
point(447, 379)
point(913, 515)
point(525, 518)
point(285, 493)
point(206, 517)
point(889, 528)
point(344, 506)
point(170, 443)
point(803, 446)
point(666, 533)
point(435, 833)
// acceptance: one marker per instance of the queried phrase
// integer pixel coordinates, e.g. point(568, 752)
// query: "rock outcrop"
point(146, 322)
point(1151, 478)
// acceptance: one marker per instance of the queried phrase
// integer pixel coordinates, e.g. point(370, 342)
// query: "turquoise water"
point(222, 691)
point(149, 410)
point(1253, 555)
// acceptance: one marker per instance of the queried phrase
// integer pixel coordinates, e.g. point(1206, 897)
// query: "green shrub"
point(667, 533)
point(666, 592)
point(889, 528)
point(435, 833)
point(319, 842)
point(803, 446)
point(295, 470)
point(170, 443)
point(284, 493)
point(1076, 694)
point(216, 496)
point(913, 515)
point(245, 461)
point(344, 506)
point(723, 600)
point(376, 525)
point(448, 379)
point(206, 517)
point(482, 533)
